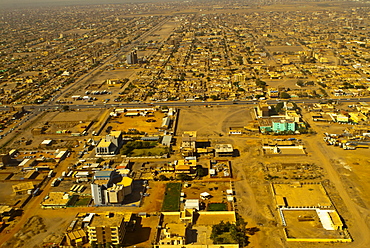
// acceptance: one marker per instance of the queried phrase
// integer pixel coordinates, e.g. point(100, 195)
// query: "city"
point(197, 124)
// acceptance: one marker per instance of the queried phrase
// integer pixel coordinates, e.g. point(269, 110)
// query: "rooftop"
point(110, 219)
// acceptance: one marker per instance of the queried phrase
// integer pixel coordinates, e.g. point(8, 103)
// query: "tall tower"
point(132, 58)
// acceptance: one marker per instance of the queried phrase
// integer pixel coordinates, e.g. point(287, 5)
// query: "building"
point(114, 194)
point(110, 145)
point(283, 126)
point(273, 93)
point(7, 213)
point(132, 58)
point(166, 141)
point(186, 165)
point(107, 228)
point(263, 109)
point(224, 150)
point(61, 156)
point(76, 238)
point(4, 160)
point(176, 229)
point(57, 200)
point(110, 187)
point(97, 193)
point(23, 188)
point(188, 144)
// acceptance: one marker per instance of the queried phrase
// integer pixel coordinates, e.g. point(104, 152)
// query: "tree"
point(300, 83)
point(199, 171)
point(99, 160)
point(163, 178)
point(215, 98)
point(226, 233)
point(279, 107)
point(284, 95)
point(184, 177)
point(65, 108)
point(260, 83)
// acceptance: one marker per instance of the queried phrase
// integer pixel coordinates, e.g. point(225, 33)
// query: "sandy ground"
point(345, 174)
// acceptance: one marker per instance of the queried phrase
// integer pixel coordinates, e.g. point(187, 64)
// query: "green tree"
point(184, 177)
point(224, 233)
point(199, 171)
point(215, 98)
point(163, 178)
point(279, 107)
point(65, 108)
point(284, 95)
point(260, 83)
point(99, 160)
point(300, 83)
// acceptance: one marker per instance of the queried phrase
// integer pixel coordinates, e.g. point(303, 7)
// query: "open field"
point(139, 123)
point(57, 120)
point(212, 121)
point(217, 190)
point(217, 207)
point(171, 200)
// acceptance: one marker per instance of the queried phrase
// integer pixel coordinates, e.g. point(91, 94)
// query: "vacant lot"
point(171, 200)
point(212, 121)
point(145, 124)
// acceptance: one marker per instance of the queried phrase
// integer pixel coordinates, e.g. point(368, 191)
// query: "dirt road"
point(358, 216)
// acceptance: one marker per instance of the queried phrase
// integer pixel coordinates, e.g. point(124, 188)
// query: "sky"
point(27, 3)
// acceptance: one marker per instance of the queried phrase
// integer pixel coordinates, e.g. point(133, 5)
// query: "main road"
point(53, 106)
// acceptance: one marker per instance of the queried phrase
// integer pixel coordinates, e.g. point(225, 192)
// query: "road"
point(360, 229)
point(53, 106)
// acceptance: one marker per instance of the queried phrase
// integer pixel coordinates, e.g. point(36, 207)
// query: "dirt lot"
point(217, 190)
point(344, 174)
point(61, 140)
point(213, 121)
point(140, 123)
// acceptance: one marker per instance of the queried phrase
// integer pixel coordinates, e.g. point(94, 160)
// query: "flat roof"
point(224, 148)
point(126, 181)
point(102, 173)
point(104, 143)
point(46, 142)
point(57, 199)
point(115, 219)
point(23, 187)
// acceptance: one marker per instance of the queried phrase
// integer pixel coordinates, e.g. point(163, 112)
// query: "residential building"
point(107, 229)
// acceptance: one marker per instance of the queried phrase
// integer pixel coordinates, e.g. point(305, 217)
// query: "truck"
point(55, 182)
point(36, 192)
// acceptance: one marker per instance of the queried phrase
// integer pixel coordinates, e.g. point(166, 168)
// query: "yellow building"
point(107, 228)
